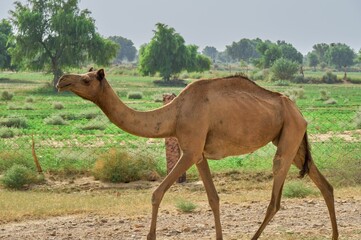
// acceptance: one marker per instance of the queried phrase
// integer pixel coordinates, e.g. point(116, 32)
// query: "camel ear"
point(100, 74)
point(91, 69)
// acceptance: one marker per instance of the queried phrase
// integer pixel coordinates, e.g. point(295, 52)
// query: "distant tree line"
point(56, 35)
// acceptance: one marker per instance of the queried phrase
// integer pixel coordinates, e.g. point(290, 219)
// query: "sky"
point(302, 23)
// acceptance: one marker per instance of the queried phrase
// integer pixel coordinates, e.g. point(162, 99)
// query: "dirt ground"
point(297, 219)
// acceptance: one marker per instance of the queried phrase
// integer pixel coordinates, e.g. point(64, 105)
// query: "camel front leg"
point(280, 170)
point(185, 162)
point(212, 194)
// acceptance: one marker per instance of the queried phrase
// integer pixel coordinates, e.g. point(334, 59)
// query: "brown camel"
point(213, 119)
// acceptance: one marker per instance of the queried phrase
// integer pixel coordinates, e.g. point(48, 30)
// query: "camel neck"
point(158, 123)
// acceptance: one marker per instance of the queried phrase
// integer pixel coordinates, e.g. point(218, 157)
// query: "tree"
point(312, 60)
point(288, 51)
point(127, 49)
point(167, 54)
point(244, 49)
point(269, 52)
point(320, 50)
point(6, 35)
point(340, 55)
point(284, 69)
point(55, 34)
point(210, 52)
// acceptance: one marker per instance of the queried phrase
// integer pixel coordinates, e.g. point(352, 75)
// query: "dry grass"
point(130, 202)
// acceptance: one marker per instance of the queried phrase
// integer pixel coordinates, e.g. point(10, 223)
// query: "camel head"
point(88, 85)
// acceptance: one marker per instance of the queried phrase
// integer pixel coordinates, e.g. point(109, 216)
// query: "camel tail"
point(304, 150)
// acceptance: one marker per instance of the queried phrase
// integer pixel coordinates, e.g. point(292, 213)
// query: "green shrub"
point(6, 132)
point(324, 95)
point(330, 78)
point(58, 105)
point(281, 83)
point(10, 158)
point(15, 122)
point(330, 101)
point(185, 206)
point(55, 120)
point(6, 96)
point(120, 166)
point(135, 95)
point(297, 189)
point(18, 176)
point(284, 69)
point(89, 114)
point(29, 100)
point(296, 93)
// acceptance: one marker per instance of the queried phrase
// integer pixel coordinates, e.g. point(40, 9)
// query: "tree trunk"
point(57, 72)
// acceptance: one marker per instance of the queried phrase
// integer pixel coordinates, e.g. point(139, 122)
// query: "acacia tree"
point(127, 49)
point(55, 34)
point(167, 54)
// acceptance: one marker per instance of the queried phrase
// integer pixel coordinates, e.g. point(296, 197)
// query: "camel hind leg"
point(306, 164)
point(287, 147)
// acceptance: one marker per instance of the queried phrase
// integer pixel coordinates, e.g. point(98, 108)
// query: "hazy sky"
point(302, 23)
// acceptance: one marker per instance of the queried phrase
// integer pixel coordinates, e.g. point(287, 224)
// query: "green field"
point(86, 132)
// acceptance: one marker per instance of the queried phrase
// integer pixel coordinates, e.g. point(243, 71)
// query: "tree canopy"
point(6, 43)
point(167, 54)
point(55, 34)
point(126, 51)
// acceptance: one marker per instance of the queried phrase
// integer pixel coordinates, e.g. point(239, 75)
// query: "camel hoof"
point(151, 236)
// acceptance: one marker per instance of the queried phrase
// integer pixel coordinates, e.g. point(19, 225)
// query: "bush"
point(135, 95)
point(6, 96)
point(18, 176)
point(324, 95)
point(294, 94)
point(185, 206)
point(297, 189)
point(330, 78)
point(15, 122)
point(284, 69)
point(6, 133)
point(58, 105)
point(120, 166)
point(95, 124)
point(55, 120)
point(29, 100)
point(330, 101)
point(10, 158)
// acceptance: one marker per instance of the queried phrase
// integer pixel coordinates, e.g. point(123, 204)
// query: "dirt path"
point(298, 219)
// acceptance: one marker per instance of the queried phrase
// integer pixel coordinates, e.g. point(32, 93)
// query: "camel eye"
point(86, 81)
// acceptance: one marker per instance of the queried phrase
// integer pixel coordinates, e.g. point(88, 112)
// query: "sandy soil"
point(297, 219)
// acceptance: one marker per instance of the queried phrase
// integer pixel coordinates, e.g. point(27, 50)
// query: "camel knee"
point(156, 198)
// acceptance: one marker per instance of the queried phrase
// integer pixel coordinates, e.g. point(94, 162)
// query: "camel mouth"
point(62, 87)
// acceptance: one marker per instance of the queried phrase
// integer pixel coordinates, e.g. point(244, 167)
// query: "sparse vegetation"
point(6, 132)
point(18, 176)
point(185, 206)
point(58, 105)
point(14, 122)
point(135, 95)
point(121, 166)
point(297, 189)
point(6, 96)
point(55, 120)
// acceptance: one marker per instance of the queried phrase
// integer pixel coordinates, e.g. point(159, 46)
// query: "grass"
point(81, 132)
point(185, 206)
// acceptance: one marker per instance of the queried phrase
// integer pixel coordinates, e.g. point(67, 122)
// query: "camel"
point(213, 119)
